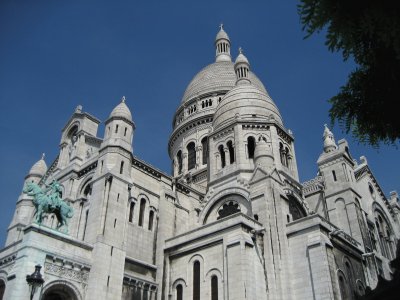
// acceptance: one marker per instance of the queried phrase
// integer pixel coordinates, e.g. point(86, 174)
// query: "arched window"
point(251, 146)
point(295, 209)
point(384, 235)
point(179, 160)
point(283, 155)
point(179, 292)
point(191, 155)
point(204, 145)
point(196, 280)
point(349, 271)
point(214, 287)
point(344, 291)
point(222, 154)
point(87, 192)
point(151, 219)
point(229, 208)
point(287, 157)
point(141, 212)
point(131, 211)
point(231, 152)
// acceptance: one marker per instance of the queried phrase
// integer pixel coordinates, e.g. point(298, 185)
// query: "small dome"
point(121, 111)
point(248, 103)
point(221, 34)
point(241, 58)
point(39, 168)
point(216, 77)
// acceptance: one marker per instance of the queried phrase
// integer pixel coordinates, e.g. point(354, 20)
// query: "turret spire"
point(329, 140)
point(222, 45)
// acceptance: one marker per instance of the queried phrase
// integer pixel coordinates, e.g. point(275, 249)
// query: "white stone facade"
point(231, 222)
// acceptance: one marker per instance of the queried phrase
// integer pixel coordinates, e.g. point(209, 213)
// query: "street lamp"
point(35, 280)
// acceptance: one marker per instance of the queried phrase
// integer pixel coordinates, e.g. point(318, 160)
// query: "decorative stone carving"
point(68, 271)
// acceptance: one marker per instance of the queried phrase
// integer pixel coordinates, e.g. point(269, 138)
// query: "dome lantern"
point(242, 68)
point(222, 46)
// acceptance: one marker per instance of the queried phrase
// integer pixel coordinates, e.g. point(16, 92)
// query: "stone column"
point(184, 162)
point(218, 162)
point(199, 156)
point(227, 156)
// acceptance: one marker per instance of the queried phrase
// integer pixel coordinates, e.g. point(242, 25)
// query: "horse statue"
point(49, 201)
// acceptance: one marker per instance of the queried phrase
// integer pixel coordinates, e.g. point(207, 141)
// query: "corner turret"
point(119, 127)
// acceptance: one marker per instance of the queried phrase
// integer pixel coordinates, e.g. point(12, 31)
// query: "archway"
point(60, 291)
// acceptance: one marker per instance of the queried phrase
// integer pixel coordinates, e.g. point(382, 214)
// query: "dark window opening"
point(131, 210)
point(116, 129)
point(151, 218)
point(126, 129)
point(179, 292)
point(214, 288)
point(121, 168)
point(191, 156)
point(196, 280)
point(141, 212)
point(204, 145)
point(231, 152)
point(222, 154)
point(251, 146)
point(334, 175)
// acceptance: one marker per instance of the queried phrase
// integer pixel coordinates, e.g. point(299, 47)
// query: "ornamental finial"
point(221, 26)
point(240, 50)
point(123, 99)
point(43, 155)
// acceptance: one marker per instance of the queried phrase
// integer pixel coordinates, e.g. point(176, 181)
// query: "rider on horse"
point(55, 200)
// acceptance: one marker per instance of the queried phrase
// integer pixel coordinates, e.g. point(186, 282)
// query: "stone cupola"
point(222, 46)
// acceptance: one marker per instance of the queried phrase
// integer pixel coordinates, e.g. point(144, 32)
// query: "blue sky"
point(55, 55)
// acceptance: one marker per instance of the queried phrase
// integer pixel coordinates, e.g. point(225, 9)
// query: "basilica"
point(232, 221)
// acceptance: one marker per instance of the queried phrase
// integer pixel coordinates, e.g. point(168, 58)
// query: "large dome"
point(246, 102)
point(219, 76)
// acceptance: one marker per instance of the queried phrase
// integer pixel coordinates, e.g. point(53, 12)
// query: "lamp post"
point(35, 280)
